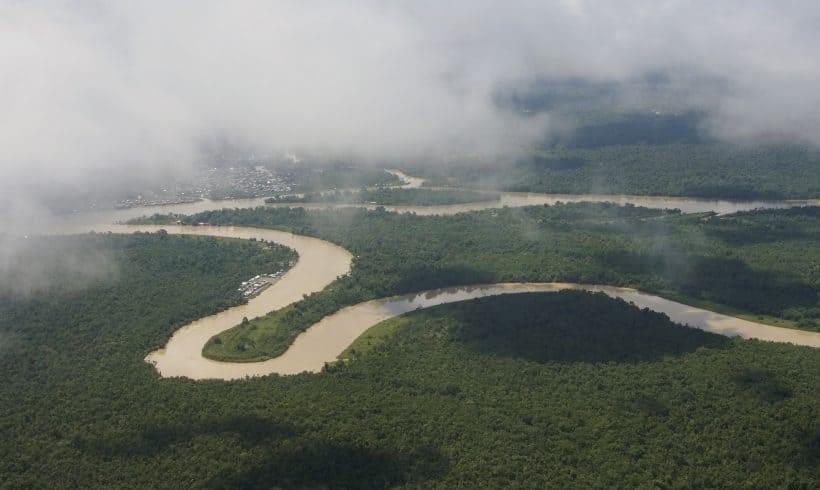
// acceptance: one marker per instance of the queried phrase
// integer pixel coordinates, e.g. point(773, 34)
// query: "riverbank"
point(326, 340)
point(80, 221)
point(190, 342)
point(321, 262)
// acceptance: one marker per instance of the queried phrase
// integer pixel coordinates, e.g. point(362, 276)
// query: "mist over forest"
point(410, 244)
point(99, 95)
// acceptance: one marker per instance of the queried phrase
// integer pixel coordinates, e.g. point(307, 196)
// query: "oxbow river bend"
point(321, 262)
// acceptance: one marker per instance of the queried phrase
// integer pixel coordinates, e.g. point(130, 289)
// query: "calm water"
point(91, 220)
point(325, 340)
point(320, 263)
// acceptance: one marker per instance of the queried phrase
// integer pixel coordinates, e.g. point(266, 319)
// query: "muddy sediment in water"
point(321, 262)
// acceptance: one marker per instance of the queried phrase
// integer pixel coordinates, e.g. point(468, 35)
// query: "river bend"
point(321, 262)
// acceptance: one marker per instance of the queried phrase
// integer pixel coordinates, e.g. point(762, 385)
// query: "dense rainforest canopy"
point(561, 389)
point(652, 151)
point(761, 264)
point(304, 104)
point(712, 170)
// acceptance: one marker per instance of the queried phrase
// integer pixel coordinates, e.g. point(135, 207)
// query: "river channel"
point(321, 262)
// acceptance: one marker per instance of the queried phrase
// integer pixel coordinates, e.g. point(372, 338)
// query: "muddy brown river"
point(321, 262)
point(89, 220)
point(325, 340)
point(519, 199)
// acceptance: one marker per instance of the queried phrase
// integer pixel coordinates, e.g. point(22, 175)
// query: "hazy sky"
point(108, 89)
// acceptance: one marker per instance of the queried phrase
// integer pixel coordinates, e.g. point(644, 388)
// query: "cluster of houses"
point(221, 183)
point(148, 201)
point(215, 183)
point(257, 284)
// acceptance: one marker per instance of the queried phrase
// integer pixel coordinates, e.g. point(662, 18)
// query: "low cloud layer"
point(101, 92)
point(32, 265)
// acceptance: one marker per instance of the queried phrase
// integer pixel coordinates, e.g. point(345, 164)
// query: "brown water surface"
point(321, 262)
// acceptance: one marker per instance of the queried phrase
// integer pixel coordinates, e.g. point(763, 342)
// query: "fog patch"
point(36, 264)
point(98, 95)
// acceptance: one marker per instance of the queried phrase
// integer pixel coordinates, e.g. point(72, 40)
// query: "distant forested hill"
point(711, 170)
point(632, 138)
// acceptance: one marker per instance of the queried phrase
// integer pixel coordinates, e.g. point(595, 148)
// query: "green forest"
point(761, 265)
point(711, 170)
point(535, 390)
point(401, 149)
point(647, 146)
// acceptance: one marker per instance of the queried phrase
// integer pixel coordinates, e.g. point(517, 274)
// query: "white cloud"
point(125, 88)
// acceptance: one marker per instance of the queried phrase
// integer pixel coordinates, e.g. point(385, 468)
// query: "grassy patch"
point(257, 340)
point(373, 337)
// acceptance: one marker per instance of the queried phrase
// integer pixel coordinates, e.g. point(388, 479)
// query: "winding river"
point(519, 199)
point(80, 222)
point(321, 262)
point(325, 340)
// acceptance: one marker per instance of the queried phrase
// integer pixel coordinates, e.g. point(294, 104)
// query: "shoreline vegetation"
point(757, 264)
point(705, 170)
point(441, 402)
